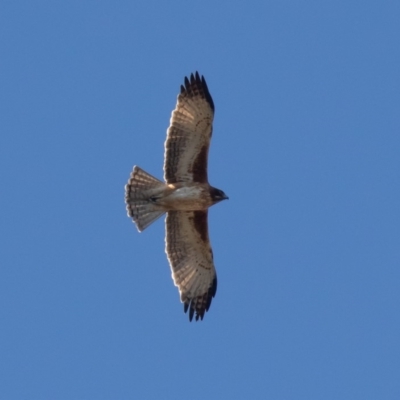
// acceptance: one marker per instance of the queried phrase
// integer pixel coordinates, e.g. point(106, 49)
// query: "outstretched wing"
point(191, 259)
point(189, 133)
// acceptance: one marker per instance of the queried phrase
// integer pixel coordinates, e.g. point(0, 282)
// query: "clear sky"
point(306, 145)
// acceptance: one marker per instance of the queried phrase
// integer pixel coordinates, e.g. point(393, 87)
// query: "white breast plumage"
point(187, 193)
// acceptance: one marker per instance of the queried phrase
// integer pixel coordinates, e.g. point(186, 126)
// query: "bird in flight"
point(185, 196)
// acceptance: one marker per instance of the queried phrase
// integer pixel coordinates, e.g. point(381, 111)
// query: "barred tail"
point(138, 198)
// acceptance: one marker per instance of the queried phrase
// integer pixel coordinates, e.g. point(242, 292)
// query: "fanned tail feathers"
point(139, 192)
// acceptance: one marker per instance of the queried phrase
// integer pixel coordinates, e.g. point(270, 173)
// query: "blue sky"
point(306, 144)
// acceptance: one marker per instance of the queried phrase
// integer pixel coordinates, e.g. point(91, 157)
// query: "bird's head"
point(217, 195)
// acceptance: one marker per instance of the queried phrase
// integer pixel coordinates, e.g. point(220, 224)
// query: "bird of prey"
point(185, 196)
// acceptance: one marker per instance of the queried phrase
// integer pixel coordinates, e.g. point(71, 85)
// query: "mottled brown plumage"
point(186, 197)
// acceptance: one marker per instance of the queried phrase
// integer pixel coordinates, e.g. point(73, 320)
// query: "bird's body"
point(185, 197)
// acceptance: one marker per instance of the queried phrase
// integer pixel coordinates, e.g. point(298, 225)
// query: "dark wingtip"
point(199, 305)
point(211, 294)
point(188, 306)
point(207, 92)
point(191, 313)
point(196, 84)
point(187, 83)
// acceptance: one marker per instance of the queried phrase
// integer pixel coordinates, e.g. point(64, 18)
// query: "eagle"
point(185, 196)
